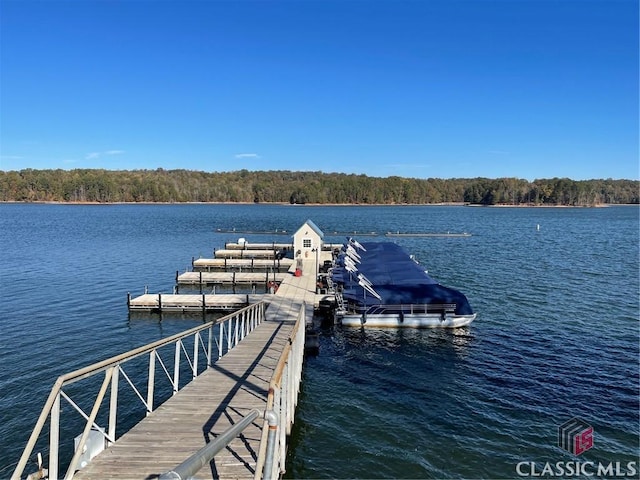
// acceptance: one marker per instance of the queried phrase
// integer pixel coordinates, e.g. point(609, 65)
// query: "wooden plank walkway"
point(211, 403)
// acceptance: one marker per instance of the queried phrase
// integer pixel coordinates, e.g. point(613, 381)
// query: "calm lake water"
point(557, 333)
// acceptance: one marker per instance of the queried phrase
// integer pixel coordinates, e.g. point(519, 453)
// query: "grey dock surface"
point(212, 402)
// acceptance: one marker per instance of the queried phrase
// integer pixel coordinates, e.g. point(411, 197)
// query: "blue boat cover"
point(394, 276)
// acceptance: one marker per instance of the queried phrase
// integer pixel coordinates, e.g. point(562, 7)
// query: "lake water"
point(557, 333)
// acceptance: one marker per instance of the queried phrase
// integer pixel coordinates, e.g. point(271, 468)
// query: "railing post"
point(54, 439)
point(176, 367)
point(272, 418)
point(210, 346)
point(151, 381)
point(196, 341)
point(92, 417)
point(221, 340)
point(284, 421)
point(236, 330)
point(113, 403)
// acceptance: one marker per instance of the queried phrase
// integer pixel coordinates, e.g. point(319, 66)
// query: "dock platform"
point(233, 253)
point(229, 278)
point(163, 302)
point(258, 246)
point(241, 264)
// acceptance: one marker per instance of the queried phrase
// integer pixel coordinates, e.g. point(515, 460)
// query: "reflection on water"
point(454, 340)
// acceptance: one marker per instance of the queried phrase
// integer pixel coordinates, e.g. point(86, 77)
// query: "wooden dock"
point(229, 278)
point(258, 246)
point(213, 401)
point(258, 254)
point(163, 302)
point(241, 264)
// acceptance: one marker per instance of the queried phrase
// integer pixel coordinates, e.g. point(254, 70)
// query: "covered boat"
point(378, 284)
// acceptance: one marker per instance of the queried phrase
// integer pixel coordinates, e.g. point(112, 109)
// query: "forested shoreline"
point(243, 186)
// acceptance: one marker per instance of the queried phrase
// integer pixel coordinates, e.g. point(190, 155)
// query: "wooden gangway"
point(258, 375)
point(218, 398)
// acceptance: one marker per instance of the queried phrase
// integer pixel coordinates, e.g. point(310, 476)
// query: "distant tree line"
point(107, 186)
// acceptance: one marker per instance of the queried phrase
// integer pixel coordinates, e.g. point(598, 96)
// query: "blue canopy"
point(384, 268)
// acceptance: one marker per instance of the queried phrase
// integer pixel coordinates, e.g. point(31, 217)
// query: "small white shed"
point(307, 241)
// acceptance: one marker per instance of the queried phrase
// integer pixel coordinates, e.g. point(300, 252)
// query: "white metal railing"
point(225, 333)
point(281, 404)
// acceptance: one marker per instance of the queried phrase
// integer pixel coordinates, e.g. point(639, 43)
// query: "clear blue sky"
point(421, 88)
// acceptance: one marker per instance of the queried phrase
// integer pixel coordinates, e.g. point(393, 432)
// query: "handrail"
point(407, 308)
point(195, 462)
point(231, 329)
point(281, 403)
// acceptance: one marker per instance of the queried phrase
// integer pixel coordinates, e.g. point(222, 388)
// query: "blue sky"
point(420, 88)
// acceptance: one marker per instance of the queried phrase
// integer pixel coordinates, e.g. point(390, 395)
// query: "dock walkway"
point(218, 398)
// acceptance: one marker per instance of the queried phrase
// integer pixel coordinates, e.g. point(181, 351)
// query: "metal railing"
point(408, 308)
point(225, 333)
point(281, 404)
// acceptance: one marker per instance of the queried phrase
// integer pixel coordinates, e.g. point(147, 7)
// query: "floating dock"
point(241, 264)
point(230, 278)
point(236, 253)
point(164, 302)
point(258, 246)
point(353, 233)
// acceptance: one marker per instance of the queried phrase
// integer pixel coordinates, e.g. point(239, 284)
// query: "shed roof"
point(313, 227)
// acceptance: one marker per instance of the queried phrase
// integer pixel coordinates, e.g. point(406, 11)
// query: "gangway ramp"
point(219, 397)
